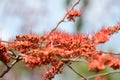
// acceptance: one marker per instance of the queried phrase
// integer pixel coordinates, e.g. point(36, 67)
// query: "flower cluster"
point(57, 69)
point(53, 49)
point(42, 50)
point(100, 60)
point(98, 63)
point(24, 43)
point(3, 54)
point(71, 14)
point(101, 78)
point(104, 34)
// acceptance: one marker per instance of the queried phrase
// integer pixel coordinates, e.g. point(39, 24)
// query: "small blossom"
point(101, 78)
point(71, 14)
point(3, 54)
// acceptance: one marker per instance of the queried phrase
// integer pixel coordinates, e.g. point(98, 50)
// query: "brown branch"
point(74, 4)
point(74, 60)
point(5, 41)
point(104, 74)
point(10, 66)
point(77, 72)
point(62, 20)
point(107, 52)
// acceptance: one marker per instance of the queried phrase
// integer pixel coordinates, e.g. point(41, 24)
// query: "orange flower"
point(101, 78)
point(71, 14)
point(103, 35)
point(96, 65)
point(3, 54)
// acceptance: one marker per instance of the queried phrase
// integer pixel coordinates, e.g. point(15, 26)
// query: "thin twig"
point(104, 74)
point(77, 72)
point(107, 52)
point(74, 4)
point(5, 41)
point(63, 18)
point(10, 66)
point(74, 60)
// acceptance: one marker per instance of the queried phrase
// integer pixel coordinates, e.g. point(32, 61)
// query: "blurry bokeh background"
point(39, 16)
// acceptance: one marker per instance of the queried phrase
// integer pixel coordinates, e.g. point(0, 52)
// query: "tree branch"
point(62, 20)
point(77, 72)
point(113, 53)
point(5, 41)
point(74, 60)
point(74, 4)
point(104, 74)
point(10, 66)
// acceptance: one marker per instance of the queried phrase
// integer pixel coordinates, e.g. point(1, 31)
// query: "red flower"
point(103, 35)
point(96, 65)
point(3, 54)
point(71, 14)
point(101, 78)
